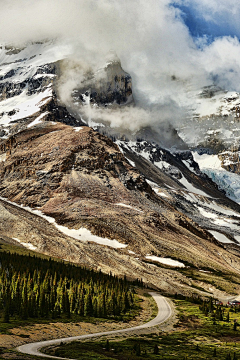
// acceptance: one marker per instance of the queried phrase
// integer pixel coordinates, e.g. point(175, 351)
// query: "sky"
point(210, 18)
point(171, 48)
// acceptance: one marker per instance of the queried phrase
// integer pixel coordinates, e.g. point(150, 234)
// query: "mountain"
point(212, 133)
point(129, 206)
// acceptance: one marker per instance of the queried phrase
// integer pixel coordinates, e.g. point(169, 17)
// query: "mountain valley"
point(78, 189)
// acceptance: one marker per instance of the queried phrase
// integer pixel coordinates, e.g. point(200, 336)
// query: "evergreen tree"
point(138, 349)
point(32, 287)
point(156, 350)
point(220, 315)
point(88, 308)
point(107, 345)
point(6, 316)
point(215, 352)
point(227, 319)
point(81, 305)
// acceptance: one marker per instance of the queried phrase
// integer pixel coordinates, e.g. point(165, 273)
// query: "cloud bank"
point(168, 65)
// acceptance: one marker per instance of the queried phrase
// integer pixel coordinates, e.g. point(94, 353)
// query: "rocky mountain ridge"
point(118, 207)
point(127, 206)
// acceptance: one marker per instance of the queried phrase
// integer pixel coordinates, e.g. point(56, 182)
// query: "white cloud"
point(150, 38)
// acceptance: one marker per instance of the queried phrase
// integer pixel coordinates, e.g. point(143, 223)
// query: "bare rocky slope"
point(82, 180)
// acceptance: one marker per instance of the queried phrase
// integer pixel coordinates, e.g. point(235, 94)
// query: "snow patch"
point(188, 166)
point(237, 237)
point(3, 157)
point(128, 206)
point(131, 162)
point(220, 237)
point(27, 245)
point(81, 234)
point(38, 120)
point(192, 188)
point(206, 161)
point(207, 214)
point(23, 105)
point(224, 222)
point(162, 194)
point(131, 252)
point(166, 261)
point(222, 210)
point(162, 165)
point(156, 189)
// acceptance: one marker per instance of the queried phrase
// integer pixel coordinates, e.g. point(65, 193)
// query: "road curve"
point(164, 312)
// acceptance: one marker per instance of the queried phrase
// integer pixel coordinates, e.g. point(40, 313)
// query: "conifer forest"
point(32, 287)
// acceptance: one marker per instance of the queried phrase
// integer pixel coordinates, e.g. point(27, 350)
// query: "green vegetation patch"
point(227, 282)
point(32, 287)
point(199, 334)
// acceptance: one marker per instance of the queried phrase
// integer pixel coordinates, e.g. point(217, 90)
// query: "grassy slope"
point(195, 337)
point(194, 328)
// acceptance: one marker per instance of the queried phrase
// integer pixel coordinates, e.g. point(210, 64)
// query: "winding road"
point(164, 312)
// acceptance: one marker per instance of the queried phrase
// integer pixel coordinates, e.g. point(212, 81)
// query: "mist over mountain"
point(155, 41)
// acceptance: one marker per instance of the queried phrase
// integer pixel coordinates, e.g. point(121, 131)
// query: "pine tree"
point(156, 350)
point(220, 315)
point(138, 349)
point(88, 308)
point(95, 307)
point(81, 305)
point(34, 287)
point(227, 317)
point(6, 316)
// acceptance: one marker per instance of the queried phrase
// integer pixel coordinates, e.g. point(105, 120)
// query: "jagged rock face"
point(214, 120)
point(110, 85)
point(177, 179)
point(82, 179)
point(40, 81)
point(48, 152)
point(27, 81)
point(29, 87)
point(212, 128)
point(230, 161)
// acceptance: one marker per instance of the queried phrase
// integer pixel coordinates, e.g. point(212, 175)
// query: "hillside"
point(131, 207)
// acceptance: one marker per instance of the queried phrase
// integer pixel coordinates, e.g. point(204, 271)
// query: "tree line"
point(32, 287)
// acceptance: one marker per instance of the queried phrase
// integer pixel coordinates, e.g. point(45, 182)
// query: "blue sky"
point(199, 27)
point(210, 18)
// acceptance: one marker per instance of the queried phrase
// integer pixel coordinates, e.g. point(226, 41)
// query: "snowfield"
point(192, 188)
point(166, 261)
point(81, 234)
point(27, 245)
point(228, 181)
point(38, 120)
point(221, 237)
point(23, 105)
